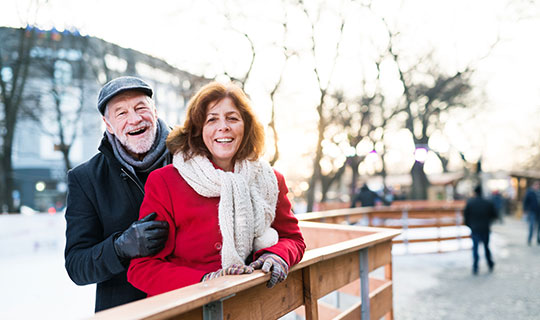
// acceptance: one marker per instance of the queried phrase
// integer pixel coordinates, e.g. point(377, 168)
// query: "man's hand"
point(143, 238)
point(234, 269)
point(272, 262)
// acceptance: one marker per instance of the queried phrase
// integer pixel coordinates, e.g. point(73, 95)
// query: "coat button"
point(217, 245)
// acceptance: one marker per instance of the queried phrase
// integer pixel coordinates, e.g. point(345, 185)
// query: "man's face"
point(131, 117)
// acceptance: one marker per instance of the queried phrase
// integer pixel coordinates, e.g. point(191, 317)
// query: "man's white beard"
point(141, 145)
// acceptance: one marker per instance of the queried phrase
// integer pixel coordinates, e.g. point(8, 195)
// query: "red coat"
point(194, 243)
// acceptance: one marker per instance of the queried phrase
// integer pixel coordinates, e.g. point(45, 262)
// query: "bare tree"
point(323, 88)
point(427, 93)
point(287, 55)
point(243, 79)
point(363, 118)
point(15, 60)
point(61, 105)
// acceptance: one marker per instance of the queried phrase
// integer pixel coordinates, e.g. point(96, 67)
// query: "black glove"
point(143, 238)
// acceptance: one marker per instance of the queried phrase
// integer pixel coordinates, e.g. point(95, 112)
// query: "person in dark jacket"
point(531, 207)
point(366, 197)
point(105, 194)
point(479, 213)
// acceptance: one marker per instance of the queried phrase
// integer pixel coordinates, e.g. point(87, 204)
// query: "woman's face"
point(222, 132)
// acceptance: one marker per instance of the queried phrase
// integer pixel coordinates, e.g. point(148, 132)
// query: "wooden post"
point(310, 298)
point(364, 284)
point(388, 276)
point(438, 217)
point(458, 227)
point(405, 218)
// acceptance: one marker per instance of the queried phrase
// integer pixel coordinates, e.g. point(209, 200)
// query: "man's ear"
point(108, 125)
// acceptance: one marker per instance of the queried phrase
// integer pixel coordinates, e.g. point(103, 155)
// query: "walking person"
point(366, 197)
point(531, 207)
point(105, 194)
point(227, 209)
point(498, 202)
point(479, 214)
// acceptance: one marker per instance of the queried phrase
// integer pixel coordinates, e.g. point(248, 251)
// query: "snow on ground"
point(34, 282)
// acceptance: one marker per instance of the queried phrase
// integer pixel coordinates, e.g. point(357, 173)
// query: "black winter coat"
point(530, 202)
point(366, 197)
point(103, 200)
point(479, 213)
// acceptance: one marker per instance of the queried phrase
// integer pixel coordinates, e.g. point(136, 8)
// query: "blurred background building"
point(59, 125)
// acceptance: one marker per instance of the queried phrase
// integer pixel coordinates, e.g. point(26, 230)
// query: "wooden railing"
point(441, 215)
point(338, 259)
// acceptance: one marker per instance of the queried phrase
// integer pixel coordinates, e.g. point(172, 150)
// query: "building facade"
point(59, 125)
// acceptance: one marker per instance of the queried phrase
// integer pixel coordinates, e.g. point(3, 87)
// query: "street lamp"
point(40, 186)
point(420, 154)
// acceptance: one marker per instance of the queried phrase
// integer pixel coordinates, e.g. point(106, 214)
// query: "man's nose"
point(133, 117)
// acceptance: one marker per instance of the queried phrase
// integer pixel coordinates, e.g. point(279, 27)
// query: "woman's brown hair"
point(188, 138)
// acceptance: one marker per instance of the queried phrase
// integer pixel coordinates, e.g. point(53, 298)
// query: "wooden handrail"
point(336, 255)
point(404, 216)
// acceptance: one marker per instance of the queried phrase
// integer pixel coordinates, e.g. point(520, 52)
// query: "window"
point(62, 72)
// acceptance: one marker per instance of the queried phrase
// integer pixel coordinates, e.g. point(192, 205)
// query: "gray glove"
point(235, 269)
point(270, 262)
point(143, 238)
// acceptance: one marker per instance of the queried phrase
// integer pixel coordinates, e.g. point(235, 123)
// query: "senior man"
point(105, 193)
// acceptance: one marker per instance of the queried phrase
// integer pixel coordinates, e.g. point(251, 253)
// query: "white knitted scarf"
point(247, 205)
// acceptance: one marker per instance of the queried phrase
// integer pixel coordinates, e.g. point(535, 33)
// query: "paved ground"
point(441, 286)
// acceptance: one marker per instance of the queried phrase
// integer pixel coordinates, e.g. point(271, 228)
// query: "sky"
point(196, 36)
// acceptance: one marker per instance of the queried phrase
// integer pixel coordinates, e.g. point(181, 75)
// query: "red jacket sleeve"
point(291, 245)
point(155, 274)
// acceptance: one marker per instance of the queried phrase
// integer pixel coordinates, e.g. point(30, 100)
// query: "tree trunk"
point(65, 154)
point(354, 162)
point(420, 182)
point(7, 181)
point(11, 98)
point(315, 177)
point(328, 181)
point(7, 164)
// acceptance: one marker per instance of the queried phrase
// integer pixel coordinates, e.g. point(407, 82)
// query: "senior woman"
point(225, 206)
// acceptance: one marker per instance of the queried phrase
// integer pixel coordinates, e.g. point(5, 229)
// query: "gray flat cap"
point(118, 85)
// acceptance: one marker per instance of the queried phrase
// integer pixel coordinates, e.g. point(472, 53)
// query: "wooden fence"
point(339, 258)
point(406, 215)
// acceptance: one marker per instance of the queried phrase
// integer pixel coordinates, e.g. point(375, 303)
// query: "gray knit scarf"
point(155, 158)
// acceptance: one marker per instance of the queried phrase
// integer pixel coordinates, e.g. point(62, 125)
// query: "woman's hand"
point(272, 262)
point(234, 269)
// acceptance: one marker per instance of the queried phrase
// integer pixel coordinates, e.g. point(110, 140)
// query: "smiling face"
point(131, 117)
point(222, 132)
